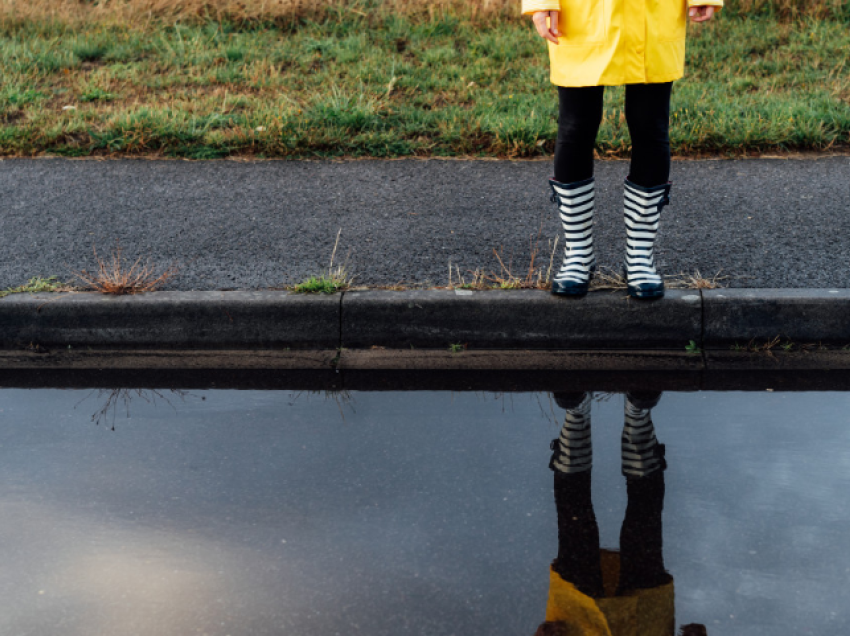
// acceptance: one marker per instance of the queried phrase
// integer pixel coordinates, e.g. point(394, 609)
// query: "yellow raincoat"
point(649, 612)
point(614, 42)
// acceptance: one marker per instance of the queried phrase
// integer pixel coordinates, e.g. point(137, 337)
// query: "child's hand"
point(699, 14)
point(549, 32)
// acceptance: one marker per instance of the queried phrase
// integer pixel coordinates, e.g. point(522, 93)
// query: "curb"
point(431, 319)
point(170, 320)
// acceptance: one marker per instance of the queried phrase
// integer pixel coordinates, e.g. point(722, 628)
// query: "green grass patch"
point(390, 85)
point(324, 284)
point(37, 284)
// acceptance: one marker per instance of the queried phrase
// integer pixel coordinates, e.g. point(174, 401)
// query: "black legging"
point(648, 118)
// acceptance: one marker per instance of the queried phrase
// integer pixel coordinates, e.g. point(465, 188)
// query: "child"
point(598, 43)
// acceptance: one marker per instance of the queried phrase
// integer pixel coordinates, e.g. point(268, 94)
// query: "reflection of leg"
point(642, 454)
point(641, 557)
point(572, 452)
point(578, 532)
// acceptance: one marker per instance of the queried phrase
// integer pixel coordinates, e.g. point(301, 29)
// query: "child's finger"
point(553, 23)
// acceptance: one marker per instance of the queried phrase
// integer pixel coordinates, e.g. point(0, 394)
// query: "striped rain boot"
point(571, 451)
point(642, 455)
point(642, 210)
point(575, 206)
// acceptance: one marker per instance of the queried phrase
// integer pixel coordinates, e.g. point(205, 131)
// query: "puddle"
point(316, 514)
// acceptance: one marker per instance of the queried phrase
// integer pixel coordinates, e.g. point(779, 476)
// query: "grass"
point(323, 284)
point(118, 276)
point(285, 11)
point(359, 80)
point(335, 279)
point(36, 284)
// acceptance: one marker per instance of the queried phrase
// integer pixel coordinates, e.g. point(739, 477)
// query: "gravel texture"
point(254, 225)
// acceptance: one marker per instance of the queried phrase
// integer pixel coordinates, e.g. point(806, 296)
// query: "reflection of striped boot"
point(642, 454)
point(642, 209)
point(571, 451)
point(575, 207)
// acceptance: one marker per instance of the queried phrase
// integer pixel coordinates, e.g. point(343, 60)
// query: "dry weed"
point(695, 281)
point(764, 347)
point(535, 276)
point(607, 279)
point(117, 276)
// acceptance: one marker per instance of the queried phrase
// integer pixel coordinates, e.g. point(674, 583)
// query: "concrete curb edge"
point(720, 320)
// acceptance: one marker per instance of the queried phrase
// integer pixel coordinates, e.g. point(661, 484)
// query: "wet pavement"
point(317, 513)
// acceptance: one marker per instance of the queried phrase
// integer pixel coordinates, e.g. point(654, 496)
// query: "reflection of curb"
point(386, 329)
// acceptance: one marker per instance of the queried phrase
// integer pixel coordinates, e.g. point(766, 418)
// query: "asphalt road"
point(238, 225)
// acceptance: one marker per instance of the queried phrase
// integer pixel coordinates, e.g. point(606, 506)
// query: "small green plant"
point(457, 347)
point(737, 347)
point(335, 360)
point(693, 347)
point(35, 285)
point(334, 280)
point(787, 346)
point(323, 284)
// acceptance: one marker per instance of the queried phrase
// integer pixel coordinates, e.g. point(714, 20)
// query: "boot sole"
point(576, 292)
point(647, 295)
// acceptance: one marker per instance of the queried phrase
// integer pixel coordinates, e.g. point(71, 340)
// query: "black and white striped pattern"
point(573, 452)
point(640, 452)
point(575, 207)
point(642, 210)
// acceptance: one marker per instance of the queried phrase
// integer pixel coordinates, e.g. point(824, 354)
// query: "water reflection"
point(115, 400)
point(594, 591)
point(263, 512)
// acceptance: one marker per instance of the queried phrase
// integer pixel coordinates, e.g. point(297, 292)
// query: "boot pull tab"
point(666, 200)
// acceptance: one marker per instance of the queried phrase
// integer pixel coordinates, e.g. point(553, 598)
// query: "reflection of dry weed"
point(114, 397)
point(339, 396)
point(117, 276)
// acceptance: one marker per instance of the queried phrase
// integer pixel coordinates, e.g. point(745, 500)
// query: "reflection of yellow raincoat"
point(614, 42)
point(649, 612)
